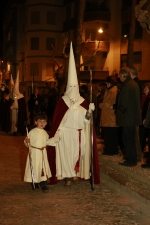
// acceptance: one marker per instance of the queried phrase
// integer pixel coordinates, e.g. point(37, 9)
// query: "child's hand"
point(57, 136)
point(27, 140)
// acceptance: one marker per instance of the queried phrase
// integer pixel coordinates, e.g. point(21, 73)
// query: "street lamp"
point(100, 30)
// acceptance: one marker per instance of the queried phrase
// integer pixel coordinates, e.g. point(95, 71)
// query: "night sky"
point(3, 5)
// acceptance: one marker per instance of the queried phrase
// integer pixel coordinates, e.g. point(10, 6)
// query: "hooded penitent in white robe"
point(72, 154)
point(38, 138)
point(73, 145)
point(18, 109)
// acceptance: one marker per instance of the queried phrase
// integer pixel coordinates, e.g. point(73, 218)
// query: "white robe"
point(38, 138)
point(14, 110)
point(14, 116)
point(67, 150)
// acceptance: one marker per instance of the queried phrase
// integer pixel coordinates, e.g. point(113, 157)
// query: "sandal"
point(68, 182)
point(75, 178)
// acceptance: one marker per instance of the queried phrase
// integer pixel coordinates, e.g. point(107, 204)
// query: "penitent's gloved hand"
point(91, 107)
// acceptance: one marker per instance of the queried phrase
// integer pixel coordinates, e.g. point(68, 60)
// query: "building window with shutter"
point(68, 12)
point(35, 17)
point(49, 43)
point(90, 35)
point(50, 69)
point(34, 43)
point(34, 69)
point(51, 18)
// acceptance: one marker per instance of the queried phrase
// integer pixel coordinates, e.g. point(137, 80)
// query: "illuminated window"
point(8, 67)
point(49, 69)
point(90, 35)
point(138, 30)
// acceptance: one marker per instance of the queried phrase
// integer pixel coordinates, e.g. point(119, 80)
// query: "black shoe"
point(45, 188)
point(36, 186)
point(126, 163)
point(145, 165)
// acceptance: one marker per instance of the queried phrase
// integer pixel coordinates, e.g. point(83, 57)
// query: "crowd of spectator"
point(36, 103)
point(121, 116)
point(43, 103)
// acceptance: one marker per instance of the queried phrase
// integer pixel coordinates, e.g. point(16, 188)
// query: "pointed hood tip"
point(17, 82)
point(72, 73)
point(11, 83)
point(16, 87)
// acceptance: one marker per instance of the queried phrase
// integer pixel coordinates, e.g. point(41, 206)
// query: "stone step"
point(131, 178)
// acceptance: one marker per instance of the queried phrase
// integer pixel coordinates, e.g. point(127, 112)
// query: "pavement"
point(111, 203)
point(135, 180)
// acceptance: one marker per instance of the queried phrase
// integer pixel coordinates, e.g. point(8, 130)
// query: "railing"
point(104, 46)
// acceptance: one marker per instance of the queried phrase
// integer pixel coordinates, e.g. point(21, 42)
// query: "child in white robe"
point(37, 140)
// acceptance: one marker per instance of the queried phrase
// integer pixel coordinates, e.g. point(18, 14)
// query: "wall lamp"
point(100, 30)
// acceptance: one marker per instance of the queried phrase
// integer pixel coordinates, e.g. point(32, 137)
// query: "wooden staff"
point(30, 160)
point(91, 133)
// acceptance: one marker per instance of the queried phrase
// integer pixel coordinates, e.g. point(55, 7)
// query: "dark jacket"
point(129, 106)
point(145, 106)
point(147, 119)
point(32, 102)
point(136, 79)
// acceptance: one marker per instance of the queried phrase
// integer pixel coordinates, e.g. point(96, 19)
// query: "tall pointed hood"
point(11, 84)
point(72, 88)
point(17, 82)
point(72, 73)
point(16, 93)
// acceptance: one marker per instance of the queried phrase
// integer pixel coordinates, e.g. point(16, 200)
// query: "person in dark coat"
point(134, 76)
point(143, 130)
point(34, 105)
point(129, 115)
point(52, 101)
point(5, 111)
point(84, 92)
point(146, 123)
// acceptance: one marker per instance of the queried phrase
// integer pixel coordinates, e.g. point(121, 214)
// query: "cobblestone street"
point(109, 204)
